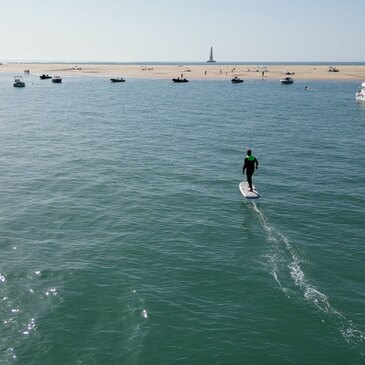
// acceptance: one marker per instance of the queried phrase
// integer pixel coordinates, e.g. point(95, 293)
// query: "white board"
point(245, 191)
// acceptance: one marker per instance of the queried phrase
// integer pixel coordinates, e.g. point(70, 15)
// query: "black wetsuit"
point(249, 165)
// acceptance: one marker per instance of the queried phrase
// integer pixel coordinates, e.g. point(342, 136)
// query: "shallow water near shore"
point(125, 240)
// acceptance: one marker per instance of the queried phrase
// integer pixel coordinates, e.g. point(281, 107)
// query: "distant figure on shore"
point(249, 165)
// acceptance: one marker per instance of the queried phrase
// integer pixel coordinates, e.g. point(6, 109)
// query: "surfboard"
point(245, 191)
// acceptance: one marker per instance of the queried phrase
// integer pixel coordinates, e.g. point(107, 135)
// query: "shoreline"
point(217, 71)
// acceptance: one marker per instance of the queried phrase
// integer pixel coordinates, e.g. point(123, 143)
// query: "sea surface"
point(124, 238)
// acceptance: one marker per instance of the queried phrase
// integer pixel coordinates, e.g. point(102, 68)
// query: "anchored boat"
point(57, 79)
point(360, 95)
point(18, 82)
point(287, 80)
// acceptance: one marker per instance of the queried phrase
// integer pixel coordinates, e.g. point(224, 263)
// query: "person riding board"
point(249, 165)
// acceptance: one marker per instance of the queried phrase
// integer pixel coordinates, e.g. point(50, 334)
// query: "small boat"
point(180, 80)
point(117, 79)
point(360, 95)
point(45, 77)
point(18, 81)
point(287, 80)
point(236, 80)
point(57, 79)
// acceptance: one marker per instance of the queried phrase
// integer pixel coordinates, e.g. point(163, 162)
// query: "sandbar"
point(200, 71)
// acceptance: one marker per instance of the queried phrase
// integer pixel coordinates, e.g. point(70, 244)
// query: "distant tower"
point(211, 60)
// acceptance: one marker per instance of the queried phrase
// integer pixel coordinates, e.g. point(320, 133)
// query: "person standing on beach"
point(249, 165)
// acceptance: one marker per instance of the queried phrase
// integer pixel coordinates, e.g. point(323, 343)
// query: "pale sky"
point(174, 31)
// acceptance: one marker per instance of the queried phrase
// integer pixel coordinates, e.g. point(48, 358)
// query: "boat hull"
point(180, 80)
point(360, 97)
point(285, 82)
point(18, 82)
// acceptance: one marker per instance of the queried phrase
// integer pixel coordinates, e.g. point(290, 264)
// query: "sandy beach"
point(205, 71)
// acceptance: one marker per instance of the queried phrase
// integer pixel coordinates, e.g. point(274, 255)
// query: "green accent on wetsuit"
point(251, 158)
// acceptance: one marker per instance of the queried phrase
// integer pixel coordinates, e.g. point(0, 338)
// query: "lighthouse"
point(211, 60)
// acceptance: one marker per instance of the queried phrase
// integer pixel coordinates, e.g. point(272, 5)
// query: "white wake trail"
point(285, 263)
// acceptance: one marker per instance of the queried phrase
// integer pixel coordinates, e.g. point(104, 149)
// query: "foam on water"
point(283, 258)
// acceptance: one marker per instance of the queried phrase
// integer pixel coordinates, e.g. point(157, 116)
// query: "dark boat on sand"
point(45, 77)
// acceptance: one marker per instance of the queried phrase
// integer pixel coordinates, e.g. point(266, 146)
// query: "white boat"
point(18, 81)
point(287, 80)
point(360, 95)
point(57, 79)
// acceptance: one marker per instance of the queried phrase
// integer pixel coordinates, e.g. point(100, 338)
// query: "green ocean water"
point(125, 240)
